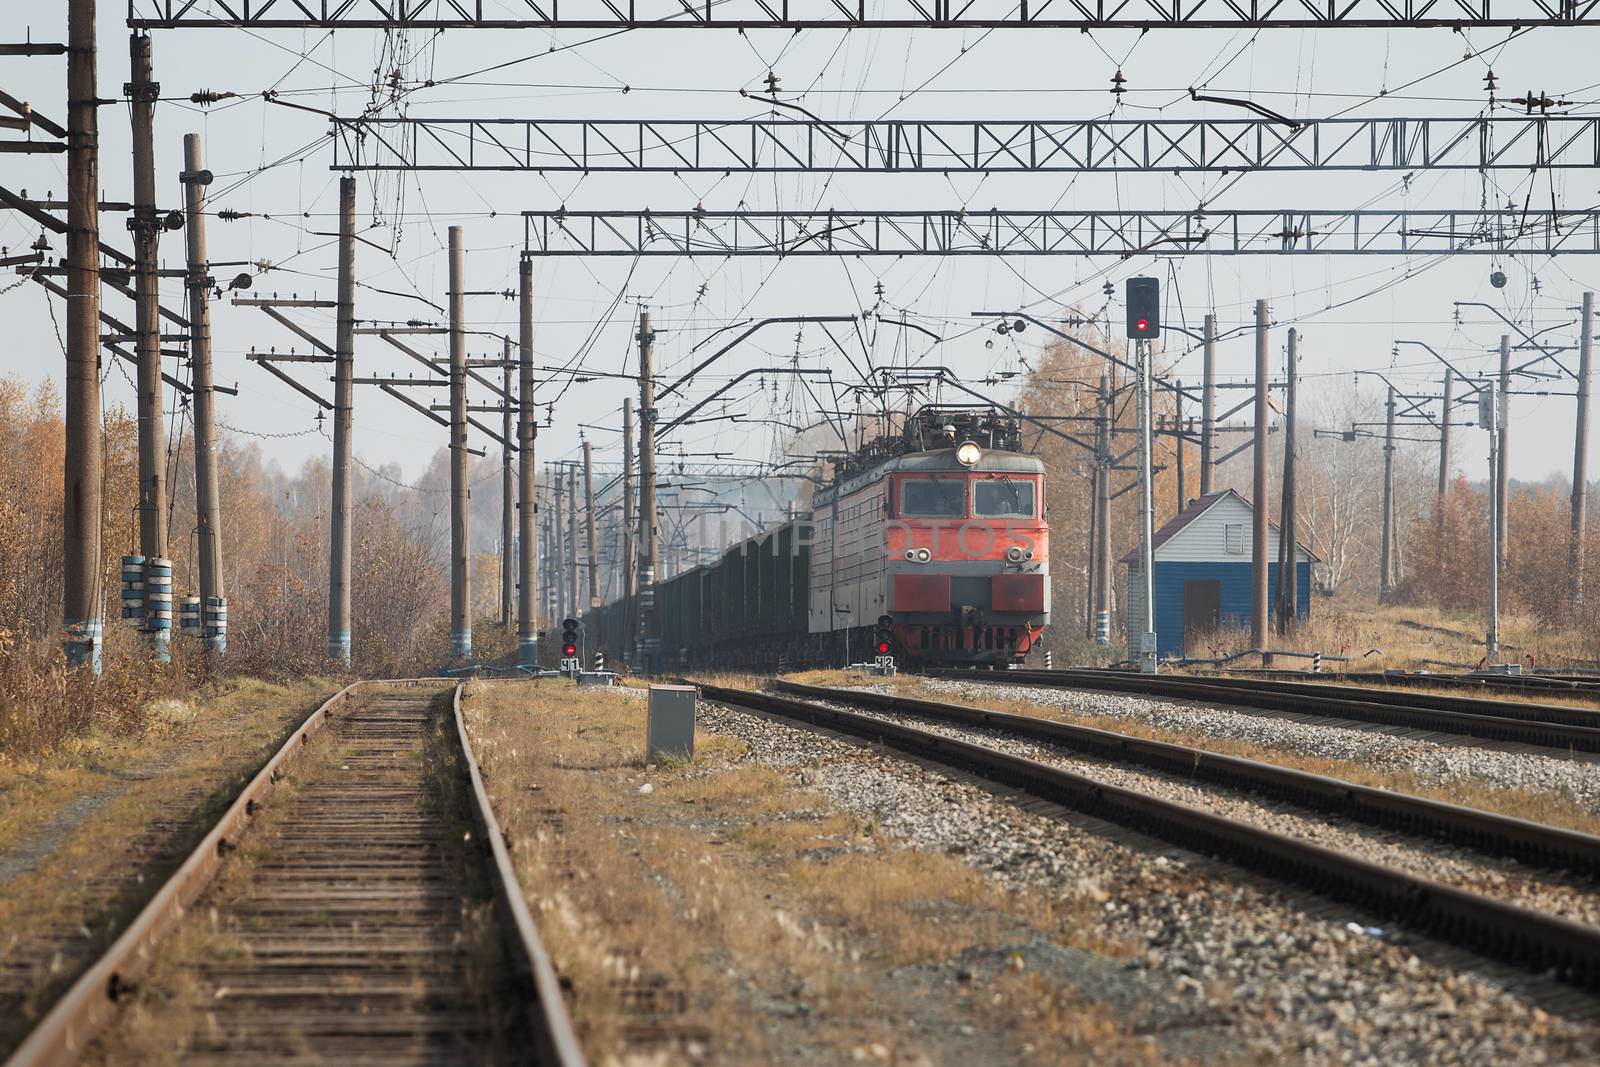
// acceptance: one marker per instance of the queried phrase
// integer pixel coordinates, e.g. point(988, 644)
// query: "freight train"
point(931, 545)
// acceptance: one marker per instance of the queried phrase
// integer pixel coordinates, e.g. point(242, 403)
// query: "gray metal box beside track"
point(669, 729)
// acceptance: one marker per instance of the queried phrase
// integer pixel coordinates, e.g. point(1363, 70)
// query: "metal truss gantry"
point(1059, 233)
point(1061, 147)
point(855, 14)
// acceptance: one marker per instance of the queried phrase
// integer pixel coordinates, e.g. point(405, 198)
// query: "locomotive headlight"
point(968, 453)
point(923, 555)
point(1014, 554)
point(911, 554)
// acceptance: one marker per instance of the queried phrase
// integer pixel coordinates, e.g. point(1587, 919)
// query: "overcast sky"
point(273, 161)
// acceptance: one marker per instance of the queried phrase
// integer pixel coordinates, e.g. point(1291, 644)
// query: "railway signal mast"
point(1144, 325)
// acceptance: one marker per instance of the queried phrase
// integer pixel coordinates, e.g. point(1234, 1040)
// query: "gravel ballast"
point(1431, 762)
point(1225, 963)
point(1572, 898)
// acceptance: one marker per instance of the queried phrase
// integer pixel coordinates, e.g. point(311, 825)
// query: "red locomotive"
point(945, 536)
point(933, 543)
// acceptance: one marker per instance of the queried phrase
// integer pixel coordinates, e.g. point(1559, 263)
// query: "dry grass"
point(1412, 637)
point(45, 706)
point(1553, 808)
point(108, 814)
point(205, 731)
point(741, 907)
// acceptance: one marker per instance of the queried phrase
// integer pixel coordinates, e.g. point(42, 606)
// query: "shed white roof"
point(1214, 528)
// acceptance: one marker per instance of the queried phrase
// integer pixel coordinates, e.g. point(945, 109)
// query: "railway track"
point(373, 917)
point(1528, 842)
point(1489, 927)
point(1544, 725)
point(1577, 686)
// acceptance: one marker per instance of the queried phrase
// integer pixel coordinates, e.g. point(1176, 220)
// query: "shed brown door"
point(1202, 609)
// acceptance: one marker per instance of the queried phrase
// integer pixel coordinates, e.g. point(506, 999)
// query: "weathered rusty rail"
point(358, 933)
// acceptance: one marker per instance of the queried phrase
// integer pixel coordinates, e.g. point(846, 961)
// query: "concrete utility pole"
point(558, 558)
point(547, 546)
point(1580, 459)
point(1208, 406)
point(344, 359)
point(1444, 451)
point(572, 542)
point(145, 223)
point(1502, 472)
point(528, 489)
point(1289, 519)
point(1491, 416)
point(1260, 490)
point(460, 519)
point(1094, 550)
point(649, 542)
point(1178, 419)
point(207, 504)
point(1385, 561)
point(1147, 612)
point(588, 508)
point(1102, 518)
point(508, 496)
point(630, 573)
point(80, 614)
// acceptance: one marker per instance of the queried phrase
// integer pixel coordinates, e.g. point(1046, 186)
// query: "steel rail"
point(1557, 684)
point(549, 1021)
point(86, 1008)
point(1533, 843)
point(1492, 928)
point(1470, 705)
point(1546, 725)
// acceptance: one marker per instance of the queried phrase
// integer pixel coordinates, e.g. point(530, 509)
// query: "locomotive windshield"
point(942, 498)
point(1003, 498)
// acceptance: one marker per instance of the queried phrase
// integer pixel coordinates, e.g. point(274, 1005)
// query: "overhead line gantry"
point(1465, 231)
point(861, 14)
point(1056, 146)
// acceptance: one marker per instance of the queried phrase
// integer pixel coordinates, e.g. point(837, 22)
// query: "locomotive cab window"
point(943, 498)
point(1002, 498)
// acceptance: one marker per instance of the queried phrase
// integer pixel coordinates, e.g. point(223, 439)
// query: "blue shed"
point(1202, 574)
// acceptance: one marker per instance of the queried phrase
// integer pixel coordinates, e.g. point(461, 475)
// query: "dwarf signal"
point(883, 643)
point(569, 646)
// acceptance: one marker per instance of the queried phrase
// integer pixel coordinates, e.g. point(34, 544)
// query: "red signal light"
point(1142, 325)
point(883, 648)
point(569, 650)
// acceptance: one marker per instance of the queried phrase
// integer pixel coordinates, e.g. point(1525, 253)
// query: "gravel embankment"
point(1230, 964)
point(1434, 764)
point(1574, 898)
